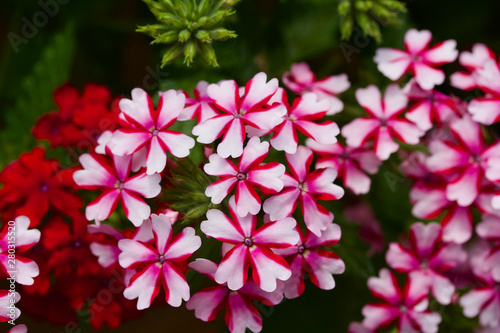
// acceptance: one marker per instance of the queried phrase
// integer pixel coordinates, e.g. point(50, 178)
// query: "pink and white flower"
point(430, 106)
point(238, 111)
point(310, 256)
point(466, 162)
point(16, 236)
point(7, 309)
point(116, 184)
point(241, 313)
point(200, 107)
point(147, 129)
point(250, 174)
point(472, 61)
point(407, 306)
point(349, 163)
point(302, 80)
point(302, 117)
point(418, 58)
point(107, 250)
point(251, 248)
point(158, 265)
point(485, 299)
point(383, 123)
point(307, 188)
point(486, 110)
point(427, 258)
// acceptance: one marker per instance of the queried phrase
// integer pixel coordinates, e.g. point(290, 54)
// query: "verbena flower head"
point(158, 264)
point(148, 129)
point(302, 80)
point(418, 58)
point(383, 124)
point(237, 111)
point(250, 174)
point(307, 188)
point(251, 248)
point(117, 185)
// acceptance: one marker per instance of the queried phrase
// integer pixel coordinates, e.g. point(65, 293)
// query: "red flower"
point(80, 119)
point(33, 185)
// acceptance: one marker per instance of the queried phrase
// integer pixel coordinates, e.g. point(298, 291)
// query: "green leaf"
point(34, 97)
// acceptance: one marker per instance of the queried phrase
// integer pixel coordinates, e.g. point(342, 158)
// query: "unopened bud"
point(184, 35)
point(203, 36)
point(189, 52)
point(208, 54)
point(221, 34)
point(166, 38)
point(172, 54)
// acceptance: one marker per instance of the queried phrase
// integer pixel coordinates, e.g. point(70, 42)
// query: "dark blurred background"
point(95, 41)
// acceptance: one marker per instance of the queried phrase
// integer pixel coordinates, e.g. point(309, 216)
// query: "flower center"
point(301, 249)
point(383, 122)
point(248, 241)
point(301, 187)
point(44, 188)
point(161, 259)
point(238, 116)
point(403, 309)
point(77, 243)
point(424, 264)
point(120, 185)
point(241, 176)
point(155, 132)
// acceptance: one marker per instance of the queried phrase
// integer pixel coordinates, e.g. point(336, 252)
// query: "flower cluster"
point(256, 214)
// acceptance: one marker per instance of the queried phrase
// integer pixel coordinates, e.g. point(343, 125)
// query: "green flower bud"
point(346, 27)
point(184, 35)
point(189, 52)
point(344, 7)
point(203, 21)
point(172, 54)
point(166, 38)
point(221, 34)
point(203, 36)
point(208, 54)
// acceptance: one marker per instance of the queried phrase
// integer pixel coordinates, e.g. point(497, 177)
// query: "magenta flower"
point(465, 162)
point(430, 107)
point(309, 256)
point(302, 80)
point(418, 58)
point(485, 299)
point(116, 185)
point(349, 163)
point(200, 107)
point(158, 265)
point(383, 124)
point(247, 109)
point(16, 236)
point(427, 258)
point(307, 188)
point(249, 175)
point(147, 129)
point(251, 248)
point(407, 306)
point(241, 313)
point(301, 116)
